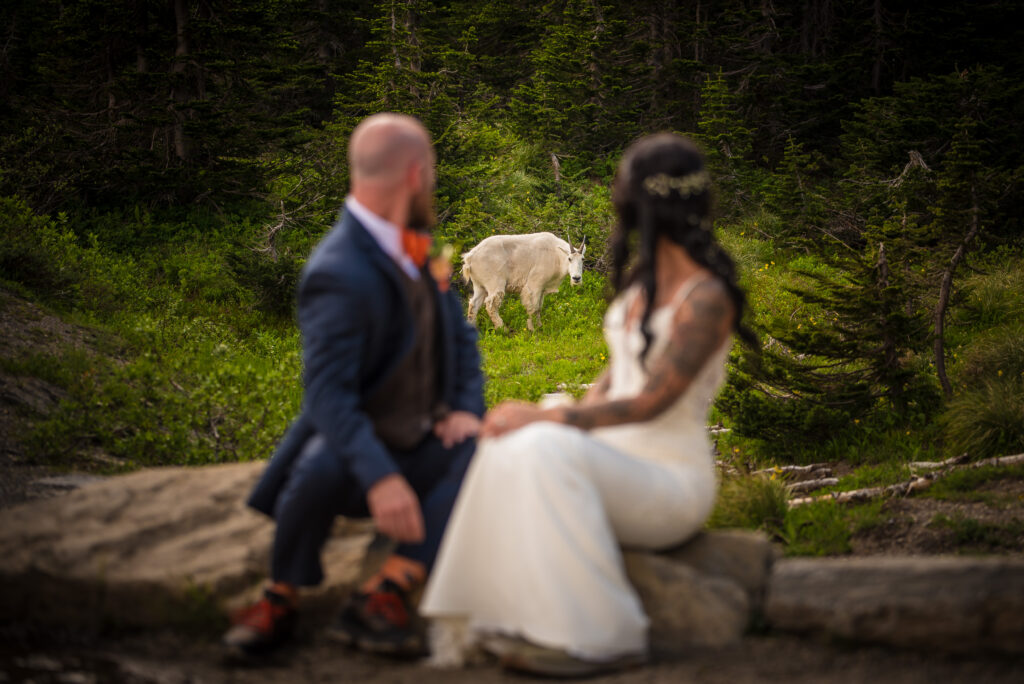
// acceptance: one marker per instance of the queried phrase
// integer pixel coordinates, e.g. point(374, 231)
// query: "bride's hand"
point(510, 415)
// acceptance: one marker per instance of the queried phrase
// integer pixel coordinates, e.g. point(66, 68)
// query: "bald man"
point(392, 402)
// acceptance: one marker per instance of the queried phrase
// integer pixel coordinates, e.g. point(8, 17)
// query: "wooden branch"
point(811, 485)
point(916, 484)
point(999, 461)
point(856, 495)
point(933, 465)
point(916, 160)
point(944, 294)
point(796, 472)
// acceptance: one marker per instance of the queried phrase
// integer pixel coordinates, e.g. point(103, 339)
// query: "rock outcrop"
point(176, 546)
point(948, 603)
point(156, 547)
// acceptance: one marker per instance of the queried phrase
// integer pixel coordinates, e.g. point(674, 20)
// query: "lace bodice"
point(684, 422)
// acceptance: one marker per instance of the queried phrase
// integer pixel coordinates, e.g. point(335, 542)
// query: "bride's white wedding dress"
point(532, 548)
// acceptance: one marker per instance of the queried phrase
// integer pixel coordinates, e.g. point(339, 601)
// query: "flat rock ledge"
point(957, 604)
point(176, 547)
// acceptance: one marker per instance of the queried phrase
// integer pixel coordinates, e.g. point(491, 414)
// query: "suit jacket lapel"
point(392, 273)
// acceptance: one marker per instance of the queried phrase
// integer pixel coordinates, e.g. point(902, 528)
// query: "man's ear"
point(414, 175)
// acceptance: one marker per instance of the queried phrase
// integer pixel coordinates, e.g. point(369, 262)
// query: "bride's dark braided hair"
point(661, 188)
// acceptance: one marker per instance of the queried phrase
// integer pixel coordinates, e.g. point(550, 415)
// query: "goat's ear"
point(583, 247)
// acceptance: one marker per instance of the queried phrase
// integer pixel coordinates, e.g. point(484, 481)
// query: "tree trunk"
point(141, 35)
point(696, 37)
point(938, 345)
point(179, 87)
point(879, 45)
point(888, 342)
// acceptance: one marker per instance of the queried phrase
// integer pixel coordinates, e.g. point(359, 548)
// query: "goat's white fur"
point(532, 265)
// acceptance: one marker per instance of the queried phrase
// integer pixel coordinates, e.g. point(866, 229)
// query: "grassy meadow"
point(194, 363)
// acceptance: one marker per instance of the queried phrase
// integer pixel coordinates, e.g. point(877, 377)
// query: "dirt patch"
point(914, 525)
point(145, 660)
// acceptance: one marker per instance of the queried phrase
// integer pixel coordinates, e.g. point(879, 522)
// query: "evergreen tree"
point(727, 144)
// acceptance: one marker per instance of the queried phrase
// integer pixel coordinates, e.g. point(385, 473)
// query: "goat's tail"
point(467, 273)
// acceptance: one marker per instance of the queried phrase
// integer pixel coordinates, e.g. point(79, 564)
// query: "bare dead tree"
point(938, 344)
point(558, 174)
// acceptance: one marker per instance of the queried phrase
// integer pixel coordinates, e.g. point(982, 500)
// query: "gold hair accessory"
point(687, 186)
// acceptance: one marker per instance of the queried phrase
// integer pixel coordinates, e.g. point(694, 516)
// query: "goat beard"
point(422, 212)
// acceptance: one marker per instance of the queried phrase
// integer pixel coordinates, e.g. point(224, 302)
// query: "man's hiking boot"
point(381, 621)
point(261, 627)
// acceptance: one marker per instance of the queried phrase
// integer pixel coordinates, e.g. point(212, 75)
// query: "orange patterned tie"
point(416, 245)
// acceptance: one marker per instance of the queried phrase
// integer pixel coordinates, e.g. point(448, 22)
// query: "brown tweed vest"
point(404, 408)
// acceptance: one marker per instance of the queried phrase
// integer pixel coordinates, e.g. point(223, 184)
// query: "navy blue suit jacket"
point(356, 325)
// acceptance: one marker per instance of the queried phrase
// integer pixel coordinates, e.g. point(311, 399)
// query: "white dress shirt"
point(386, 234)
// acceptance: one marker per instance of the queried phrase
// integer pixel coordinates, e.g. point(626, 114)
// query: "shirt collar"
point(385, 233)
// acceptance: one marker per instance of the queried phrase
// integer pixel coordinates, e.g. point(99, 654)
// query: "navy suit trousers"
point(320, 487)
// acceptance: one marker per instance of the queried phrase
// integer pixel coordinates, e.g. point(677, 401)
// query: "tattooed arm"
point(598, 389)
point(700, 326)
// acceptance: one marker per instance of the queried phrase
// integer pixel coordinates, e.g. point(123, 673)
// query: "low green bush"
point(752, 502)
point(988, 420)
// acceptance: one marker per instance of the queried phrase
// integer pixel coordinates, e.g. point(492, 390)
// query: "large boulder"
point(156, 547)
point(704, 592)
point(177, 545)
point(956, 604)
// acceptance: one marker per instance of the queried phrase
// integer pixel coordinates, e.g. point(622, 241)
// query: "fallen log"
point(935, 465)
point(815, 471)
point(915, 484)
point(866, 494)
point(811, 485)
point(999, 461)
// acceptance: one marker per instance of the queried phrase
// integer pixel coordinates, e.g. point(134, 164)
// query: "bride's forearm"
point(608, 413)
point(598, 390)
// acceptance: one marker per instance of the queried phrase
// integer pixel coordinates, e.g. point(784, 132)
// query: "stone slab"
point(950, 603)
point(152, 548)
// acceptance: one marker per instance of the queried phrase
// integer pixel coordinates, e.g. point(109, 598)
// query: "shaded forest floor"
point(906, 526)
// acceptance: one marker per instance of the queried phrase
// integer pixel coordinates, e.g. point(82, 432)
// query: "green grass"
point(966, 484)
point(568, 349)
point(971, 535)
point(197, 358)
point(752, 502)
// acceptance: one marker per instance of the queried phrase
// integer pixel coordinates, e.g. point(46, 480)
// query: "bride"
point(530, 567)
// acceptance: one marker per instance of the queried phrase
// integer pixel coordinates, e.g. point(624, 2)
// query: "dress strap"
point(684, 290)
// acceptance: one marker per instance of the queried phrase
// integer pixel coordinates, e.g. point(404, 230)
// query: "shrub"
point(988, 420)
point(44, 255)
point(752, 502)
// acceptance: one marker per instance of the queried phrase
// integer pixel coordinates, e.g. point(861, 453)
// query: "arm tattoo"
point(700, 326)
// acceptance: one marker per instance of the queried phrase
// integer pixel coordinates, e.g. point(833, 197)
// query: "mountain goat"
point(532, 265)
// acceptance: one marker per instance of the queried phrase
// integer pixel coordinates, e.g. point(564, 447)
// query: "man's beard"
point(422, 214)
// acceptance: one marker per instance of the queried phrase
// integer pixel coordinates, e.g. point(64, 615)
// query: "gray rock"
point(73, 481)
point(687, 607)
point(957, 604)
point(157, 547)
point(744, 557)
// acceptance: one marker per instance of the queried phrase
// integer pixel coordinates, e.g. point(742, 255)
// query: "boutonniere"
point(440, 265)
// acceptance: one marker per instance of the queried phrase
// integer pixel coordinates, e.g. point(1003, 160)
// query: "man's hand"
point(396, 509)
point(456, 427)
